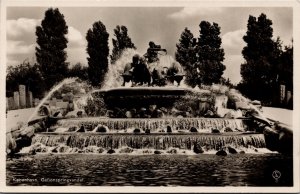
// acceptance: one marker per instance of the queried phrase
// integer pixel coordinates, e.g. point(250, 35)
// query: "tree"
point(261, 54)
point(78, 70)
point(98, 51)
point(121, 42)
point(25, 74)
point(186, 56)
point(210, 54)
point(51, 42)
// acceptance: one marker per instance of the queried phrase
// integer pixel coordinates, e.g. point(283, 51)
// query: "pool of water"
point(150, 170)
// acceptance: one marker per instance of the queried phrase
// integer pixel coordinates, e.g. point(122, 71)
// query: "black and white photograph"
point(161, 95)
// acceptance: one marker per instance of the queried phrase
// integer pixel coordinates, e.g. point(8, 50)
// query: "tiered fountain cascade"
point(148, 120)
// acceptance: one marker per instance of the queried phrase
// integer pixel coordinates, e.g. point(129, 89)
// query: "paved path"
point(17, 116)
point(279, 114)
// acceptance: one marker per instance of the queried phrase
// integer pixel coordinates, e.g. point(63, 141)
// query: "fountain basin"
point(137, 97)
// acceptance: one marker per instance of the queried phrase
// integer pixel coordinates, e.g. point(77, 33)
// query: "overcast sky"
point(161, 25)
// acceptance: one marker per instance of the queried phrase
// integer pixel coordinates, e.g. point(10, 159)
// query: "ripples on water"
point(152, 170)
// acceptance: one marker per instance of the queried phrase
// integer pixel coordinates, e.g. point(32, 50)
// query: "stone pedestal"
point(22, 92)
point(10, 103)
point(29, 99)
point(282, 93)
point(288, 96)
point(16, 100)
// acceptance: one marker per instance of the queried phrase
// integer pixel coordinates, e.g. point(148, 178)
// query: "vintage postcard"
point(149, 96)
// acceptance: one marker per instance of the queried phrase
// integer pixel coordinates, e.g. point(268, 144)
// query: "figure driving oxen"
point(140, 71)
point(152, 52)
point(137, 72)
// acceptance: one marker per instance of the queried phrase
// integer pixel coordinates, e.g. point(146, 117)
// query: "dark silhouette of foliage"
point(98, 51)
point(120, 42)
point(79, 70)
point(210, 54)
point(262, 56)
point(25, 74)
point(286, 68)
point(186, 56)
point(202, 59)
point(51, 42)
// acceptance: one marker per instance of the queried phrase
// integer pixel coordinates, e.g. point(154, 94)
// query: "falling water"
point(113, 78)
point(202, 124)
point(54, 88)
point(69, 142)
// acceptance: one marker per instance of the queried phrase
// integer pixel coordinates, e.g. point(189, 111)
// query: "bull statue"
point(175, 73)
point(137, 72)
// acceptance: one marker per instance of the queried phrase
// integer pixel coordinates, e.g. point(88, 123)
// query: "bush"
point(25, 74)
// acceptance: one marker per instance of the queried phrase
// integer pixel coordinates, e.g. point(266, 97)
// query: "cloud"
point(233, 42)
point(233, 68)
point(77, 55)
point(16, 47)
point(189, 12)
point(76, 47)
point(75, 38)
point(12, 62)
point(17, 51)
point(21, 27)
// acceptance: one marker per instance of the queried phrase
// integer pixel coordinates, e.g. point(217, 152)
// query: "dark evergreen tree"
point(210, 54)
point(121, 42)
point(51, 41)
point(98, 51)
point(186, 56)
point(261, 54)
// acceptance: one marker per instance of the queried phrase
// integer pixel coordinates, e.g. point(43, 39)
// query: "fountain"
point(151, 119)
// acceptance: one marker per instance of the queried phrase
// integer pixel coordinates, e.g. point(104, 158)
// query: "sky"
point(163, 25)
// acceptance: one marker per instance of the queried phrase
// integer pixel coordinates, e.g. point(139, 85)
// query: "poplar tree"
point(51, 44)
point(98, 51)
point(210, 55)
point(260, 70)
point(186, 56)
point(121, 42)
